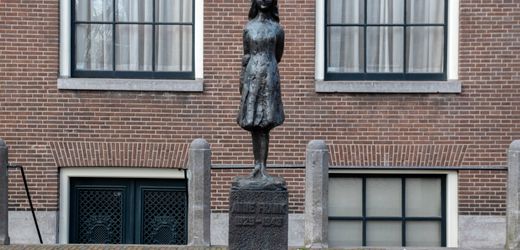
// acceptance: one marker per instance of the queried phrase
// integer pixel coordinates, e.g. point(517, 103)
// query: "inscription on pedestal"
point(264, 214)
point(258, 219)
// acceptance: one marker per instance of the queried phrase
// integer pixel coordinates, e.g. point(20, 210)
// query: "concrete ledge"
point(393, 87)
point(171, 247)
point(23, 231)
point(485, 232)
point(130, 84)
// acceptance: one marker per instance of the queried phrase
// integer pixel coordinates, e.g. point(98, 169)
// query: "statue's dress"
point(261, 102)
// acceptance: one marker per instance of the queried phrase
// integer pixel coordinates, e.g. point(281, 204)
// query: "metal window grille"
point(128, 211)
point(164, 217)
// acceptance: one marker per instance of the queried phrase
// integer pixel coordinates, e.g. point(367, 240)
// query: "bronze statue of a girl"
point(261, 106)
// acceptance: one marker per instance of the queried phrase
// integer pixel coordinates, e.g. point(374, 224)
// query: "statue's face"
point(264, 4)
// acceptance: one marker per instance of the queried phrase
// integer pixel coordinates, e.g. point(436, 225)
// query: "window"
point(387, 210)
point(128, 211)
point(386, 39)
point(132, 38)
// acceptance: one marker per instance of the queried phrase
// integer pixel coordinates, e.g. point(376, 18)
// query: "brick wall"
point(482, 192)
point(29, 101)
point(483, 119)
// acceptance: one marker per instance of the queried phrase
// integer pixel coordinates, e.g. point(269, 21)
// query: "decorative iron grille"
point(128, 211)
point(164, 217)
point(100, 216)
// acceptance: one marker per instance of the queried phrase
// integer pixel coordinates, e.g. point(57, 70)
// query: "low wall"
point(485, 232)
point(139, 247)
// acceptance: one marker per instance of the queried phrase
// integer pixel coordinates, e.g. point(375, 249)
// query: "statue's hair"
point(253, 12)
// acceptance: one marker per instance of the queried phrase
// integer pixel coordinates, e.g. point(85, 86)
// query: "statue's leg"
point(260, 151)
point(256, 138)
point(264, 138)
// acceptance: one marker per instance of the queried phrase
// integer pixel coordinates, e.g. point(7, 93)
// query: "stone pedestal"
point(258, 215)
point(4, 230)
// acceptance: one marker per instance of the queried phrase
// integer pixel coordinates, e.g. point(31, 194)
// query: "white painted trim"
point(67, 173)
point(452, 209)
point(453, 40)
point(319, 65)
point(65, 39)
point(452, 203)
point(199, 39)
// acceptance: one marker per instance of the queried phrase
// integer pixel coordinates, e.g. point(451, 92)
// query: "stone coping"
point(171, 247)
point(390, 87)
point(118, 84)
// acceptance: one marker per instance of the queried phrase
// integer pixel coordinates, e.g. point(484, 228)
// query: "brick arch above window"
point(115, 154)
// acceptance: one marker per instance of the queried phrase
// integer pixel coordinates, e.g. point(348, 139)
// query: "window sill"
point(109, 84)
point(394, 87)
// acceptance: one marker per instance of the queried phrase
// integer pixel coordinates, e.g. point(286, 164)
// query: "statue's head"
point(267, 6)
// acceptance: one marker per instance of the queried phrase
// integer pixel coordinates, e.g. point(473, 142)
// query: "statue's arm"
point(245, 59)
point(280, 40)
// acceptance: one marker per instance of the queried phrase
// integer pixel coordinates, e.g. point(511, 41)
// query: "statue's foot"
point(263, 173)
point(256, 171)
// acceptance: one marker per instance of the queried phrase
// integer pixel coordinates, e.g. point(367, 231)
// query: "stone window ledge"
point(394, 87)
point(109, 84)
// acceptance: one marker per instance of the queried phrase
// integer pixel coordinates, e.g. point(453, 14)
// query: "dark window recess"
point(133, 39)
point(386, 40)
point(387, 210)
point(128, 211)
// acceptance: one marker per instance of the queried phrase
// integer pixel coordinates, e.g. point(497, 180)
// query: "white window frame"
point(65, 81)
point(67, 173)
point(452, 200)
point(452, 85)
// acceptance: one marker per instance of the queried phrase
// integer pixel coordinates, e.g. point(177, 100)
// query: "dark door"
point(128, 211)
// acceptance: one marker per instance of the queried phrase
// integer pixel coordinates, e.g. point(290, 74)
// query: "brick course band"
point(120, 154)
point(397, 155)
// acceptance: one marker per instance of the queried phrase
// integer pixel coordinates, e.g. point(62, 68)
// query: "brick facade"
point(482, 192)
point(473, 128)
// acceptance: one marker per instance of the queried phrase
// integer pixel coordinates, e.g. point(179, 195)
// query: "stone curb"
point(169, 247)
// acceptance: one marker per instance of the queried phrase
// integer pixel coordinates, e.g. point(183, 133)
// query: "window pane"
point(134, 10)
point(94, 10)
point(345, 49)
point(94, 47)
point(425, 52)
point(385, 49)
point(423, 234)
point(345, 197)
point(425, 11)
point(173, 48)
point(134, 47)
point(345, 233)
point(346, 11)
point(384, 233)
point(423, 197)
point(174, 11)
point(383, 197)
point(385, 11)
